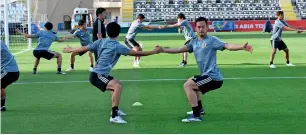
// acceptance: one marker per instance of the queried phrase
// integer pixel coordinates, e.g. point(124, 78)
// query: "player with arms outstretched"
point(276, 39)
point(84, 36)
point(205, 49)
point(130, 41)
point(187, 30)
point(109, 51)
point(9, 72)
point(45, 39)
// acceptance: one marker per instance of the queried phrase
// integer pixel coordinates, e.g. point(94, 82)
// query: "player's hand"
point(18, 31)
point(157, 49)
point(162, 26)
point(299, 31)
point(67, 49)
point(248, 47)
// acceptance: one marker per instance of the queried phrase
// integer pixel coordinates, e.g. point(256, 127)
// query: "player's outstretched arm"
point(234, 47)
point(293, 29)
point(150, 27)
point(75, 50)
point(175, 50)
point(156, 50)
point(24, 34)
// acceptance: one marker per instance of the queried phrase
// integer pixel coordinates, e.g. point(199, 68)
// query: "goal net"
point(16, 14)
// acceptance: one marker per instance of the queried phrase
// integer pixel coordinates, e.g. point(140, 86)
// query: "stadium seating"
point(17, 13)
point(223, 10)
point(301, 6)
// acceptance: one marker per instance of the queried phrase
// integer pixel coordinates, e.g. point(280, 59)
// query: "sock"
point(196, 111)
point(35, 69)
point(59, 69)
point(200, 105)
point(91, 65)
point(271, 63)
point(72, 66)
point(115, 111)
point(287, 61)
point(2, 101)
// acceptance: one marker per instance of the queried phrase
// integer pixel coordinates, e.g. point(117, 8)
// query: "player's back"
point(109, 51)
point(205, 52)
point(135, 27)
point(45, 39)
point(8, 62)
point(187, 30)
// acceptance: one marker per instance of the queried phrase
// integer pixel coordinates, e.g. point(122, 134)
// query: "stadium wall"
point(240, 26)
point(56, 9)
point(256, 25)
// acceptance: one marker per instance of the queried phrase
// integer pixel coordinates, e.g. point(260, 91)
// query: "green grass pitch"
point(247, 103)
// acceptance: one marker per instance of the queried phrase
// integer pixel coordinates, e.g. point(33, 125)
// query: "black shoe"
point(34, 72)
point(3, 109)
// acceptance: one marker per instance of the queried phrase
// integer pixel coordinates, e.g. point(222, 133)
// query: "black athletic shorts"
point(43, 54)
point(100, 81)
point(206, 83)
point(131, 43)
point(8, 78)
point(280, 45)
point(81, 53)
point(187, 41)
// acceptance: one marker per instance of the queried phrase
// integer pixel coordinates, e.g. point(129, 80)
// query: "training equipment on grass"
point(137, 104)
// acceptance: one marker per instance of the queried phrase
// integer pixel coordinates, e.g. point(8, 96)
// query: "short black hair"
point(100, 11)
point(81, 22)
point(113, 29)
point(49, 26)
point(278, 13)
point(141, 16)
point(181, 16)
point(200, 19)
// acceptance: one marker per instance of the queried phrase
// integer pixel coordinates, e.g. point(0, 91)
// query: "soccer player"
point(130, 41)
point(276, 39)
point(187, 30)
point(109, 51)
point(9, 72)
point(98, 31)
point(205, 49)
point(84, 37)
point(45, 39)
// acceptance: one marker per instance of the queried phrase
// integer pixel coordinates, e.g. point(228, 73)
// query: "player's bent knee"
point(57, 55)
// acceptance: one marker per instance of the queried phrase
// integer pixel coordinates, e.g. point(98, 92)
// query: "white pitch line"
point(22, 52)
point(151, 80)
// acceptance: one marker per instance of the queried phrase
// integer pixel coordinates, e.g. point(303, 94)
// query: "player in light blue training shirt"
point(188, 33)
point(9, 72)
point(130, 41)
point(276, 39)
point(83, 34)
point(205, 49)
point(45, 40)
point(109, 51)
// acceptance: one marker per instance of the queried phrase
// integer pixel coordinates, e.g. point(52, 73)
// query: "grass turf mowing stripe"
point(149, 80)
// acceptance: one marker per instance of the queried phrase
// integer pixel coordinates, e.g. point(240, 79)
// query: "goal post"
point(16, 14)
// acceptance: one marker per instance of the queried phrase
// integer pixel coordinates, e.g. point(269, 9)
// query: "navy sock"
point(196, 111)
point(200, 105)
point(115, 111)
point(2, 101)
